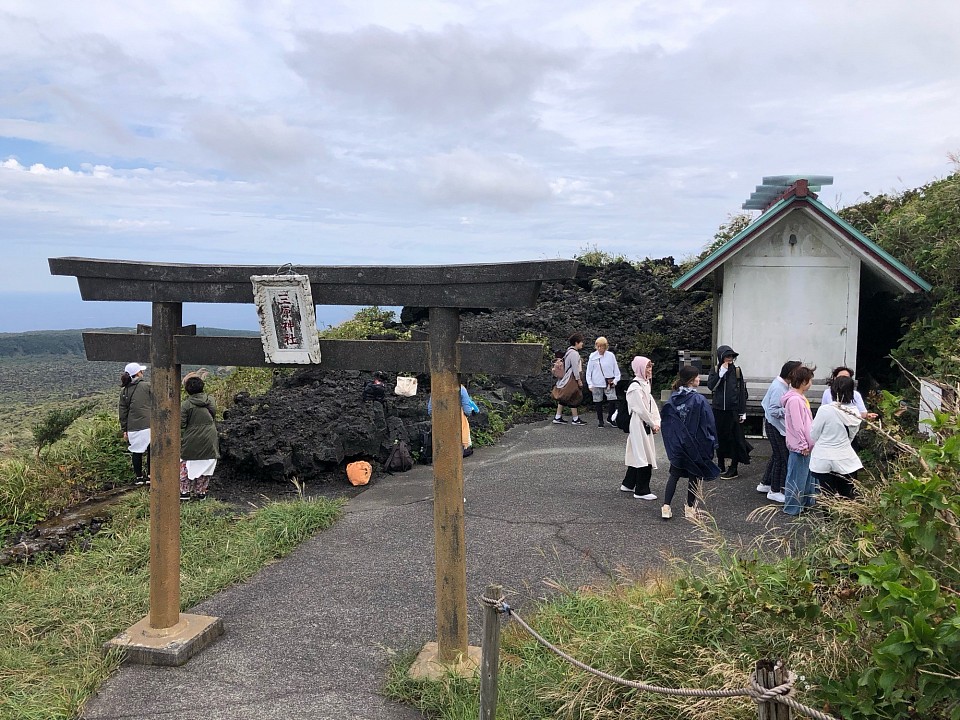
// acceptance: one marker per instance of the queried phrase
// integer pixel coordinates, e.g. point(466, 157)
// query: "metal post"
point(450, 549)
point(165, 467)
point(490, 662)
point(770, 674)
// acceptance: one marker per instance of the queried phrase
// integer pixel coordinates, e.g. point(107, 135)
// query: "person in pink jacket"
point(800, 488)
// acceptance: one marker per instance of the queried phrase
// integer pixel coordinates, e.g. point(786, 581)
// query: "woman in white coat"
point(640, 456)
point(833, 461)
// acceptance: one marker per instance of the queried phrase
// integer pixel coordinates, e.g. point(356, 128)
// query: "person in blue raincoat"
point(690, 438)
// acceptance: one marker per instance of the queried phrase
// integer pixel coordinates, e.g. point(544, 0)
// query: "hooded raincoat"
point(689, 434)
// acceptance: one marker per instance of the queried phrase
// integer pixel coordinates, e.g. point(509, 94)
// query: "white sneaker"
point(690, 512)
point(624, 488)
point(665, 512)
point(761, 488)
point(648, 496)
point(776, 497)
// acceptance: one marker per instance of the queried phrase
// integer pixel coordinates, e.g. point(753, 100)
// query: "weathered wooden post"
point(490, 661)
point(770, 674)
point(165, 468)
point(450, 558)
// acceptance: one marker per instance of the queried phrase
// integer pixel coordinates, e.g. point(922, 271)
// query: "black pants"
point(776, 472)
point(638, 479)
point(141, 461)
point(836, 484)
point(601, 410)
point(693, 486)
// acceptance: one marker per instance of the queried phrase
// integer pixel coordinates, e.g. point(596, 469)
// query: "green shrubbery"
point(368, 321)
point(91, 457)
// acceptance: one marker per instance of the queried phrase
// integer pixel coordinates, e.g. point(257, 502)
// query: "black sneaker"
point(729, 474)
point(184, 497)
point(200, 496)
point(601, 425)
point(578, 421)
point(559, 421)
point(141, 481)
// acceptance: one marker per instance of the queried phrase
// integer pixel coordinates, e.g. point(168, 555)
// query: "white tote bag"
point(406, 386)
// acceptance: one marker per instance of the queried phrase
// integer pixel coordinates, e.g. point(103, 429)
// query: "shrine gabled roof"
point(875, 257)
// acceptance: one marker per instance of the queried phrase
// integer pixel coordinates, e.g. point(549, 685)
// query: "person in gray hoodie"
point(136, 400)
point(729, 404)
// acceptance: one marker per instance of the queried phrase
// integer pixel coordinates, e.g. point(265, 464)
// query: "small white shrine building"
point(791, 284)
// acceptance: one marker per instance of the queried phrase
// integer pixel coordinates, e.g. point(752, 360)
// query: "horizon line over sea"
point(29, 312)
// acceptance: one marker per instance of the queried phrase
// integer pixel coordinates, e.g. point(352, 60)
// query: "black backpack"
point(623, 411)
point(426, 447)
point(399, 459)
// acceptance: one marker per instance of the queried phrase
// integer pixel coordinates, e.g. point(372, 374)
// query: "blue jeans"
point(801, 487)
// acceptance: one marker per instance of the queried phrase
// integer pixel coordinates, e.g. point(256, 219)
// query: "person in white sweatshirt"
point(603, 374)
point(833, 461)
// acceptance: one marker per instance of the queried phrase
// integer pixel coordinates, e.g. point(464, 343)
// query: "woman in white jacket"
point(640, 456)
point(833, 461)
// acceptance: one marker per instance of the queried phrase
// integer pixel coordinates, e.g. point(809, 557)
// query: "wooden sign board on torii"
point(169, 637)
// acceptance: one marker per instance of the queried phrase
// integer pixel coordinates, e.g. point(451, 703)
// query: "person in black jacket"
point(729, 411)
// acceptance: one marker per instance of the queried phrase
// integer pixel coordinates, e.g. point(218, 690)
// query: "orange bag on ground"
point(359, 472)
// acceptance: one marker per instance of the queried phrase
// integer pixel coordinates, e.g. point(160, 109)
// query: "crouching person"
point(199, 444)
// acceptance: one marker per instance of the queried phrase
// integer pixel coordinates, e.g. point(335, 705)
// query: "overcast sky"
point(386, 132)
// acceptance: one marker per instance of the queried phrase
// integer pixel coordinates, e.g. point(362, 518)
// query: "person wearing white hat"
point(136, 398)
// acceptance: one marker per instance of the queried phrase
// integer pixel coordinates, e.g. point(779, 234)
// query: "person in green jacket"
point(136, 399)
point(199, 444)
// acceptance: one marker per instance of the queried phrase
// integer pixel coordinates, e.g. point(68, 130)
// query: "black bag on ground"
point(426, 447)
point(399, 459)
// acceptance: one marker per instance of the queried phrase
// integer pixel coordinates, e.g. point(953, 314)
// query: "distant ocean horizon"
point(26, 312)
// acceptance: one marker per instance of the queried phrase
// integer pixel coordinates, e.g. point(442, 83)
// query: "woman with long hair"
point(690, 438)
point(640, 456)
point(833, 461)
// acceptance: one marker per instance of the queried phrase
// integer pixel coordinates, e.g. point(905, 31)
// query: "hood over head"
point(723, 351)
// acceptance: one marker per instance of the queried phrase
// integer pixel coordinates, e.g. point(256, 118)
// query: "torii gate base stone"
point(168, 637)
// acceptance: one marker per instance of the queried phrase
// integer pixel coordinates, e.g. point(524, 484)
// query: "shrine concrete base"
point(427, 666)
point(173, 646)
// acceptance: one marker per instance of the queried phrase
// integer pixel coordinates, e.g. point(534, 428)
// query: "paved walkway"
point(312, 635)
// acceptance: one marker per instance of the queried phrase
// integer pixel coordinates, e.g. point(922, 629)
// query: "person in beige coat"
point(640, 456)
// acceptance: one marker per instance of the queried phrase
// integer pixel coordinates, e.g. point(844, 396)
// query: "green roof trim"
point(729, 248)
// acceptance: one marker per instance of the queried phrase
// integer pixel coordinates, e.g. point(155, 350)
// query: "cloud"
point(451, 74)
point(466, 177)
point(256, 145)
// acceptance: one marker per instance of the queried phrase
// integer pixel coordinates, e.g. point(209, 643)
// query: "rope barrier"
point(757, 692)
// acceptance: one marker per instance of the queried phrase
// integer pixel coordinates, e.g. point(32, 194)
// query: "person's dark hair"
point(558, 355)
point(575, 338)
point(842, 390)
point(840, 369)
point(193, 385)
point(685, 376)
point(125, 379)
point(788, 367)
point(800, 374)
point(380, 375)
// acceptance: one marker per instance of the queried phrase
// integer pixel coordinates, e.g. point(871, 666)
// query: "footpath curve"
point(313, 634)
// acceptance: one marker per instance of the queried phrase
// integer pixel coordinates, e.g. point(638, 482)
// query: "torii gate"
point(167, 637)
